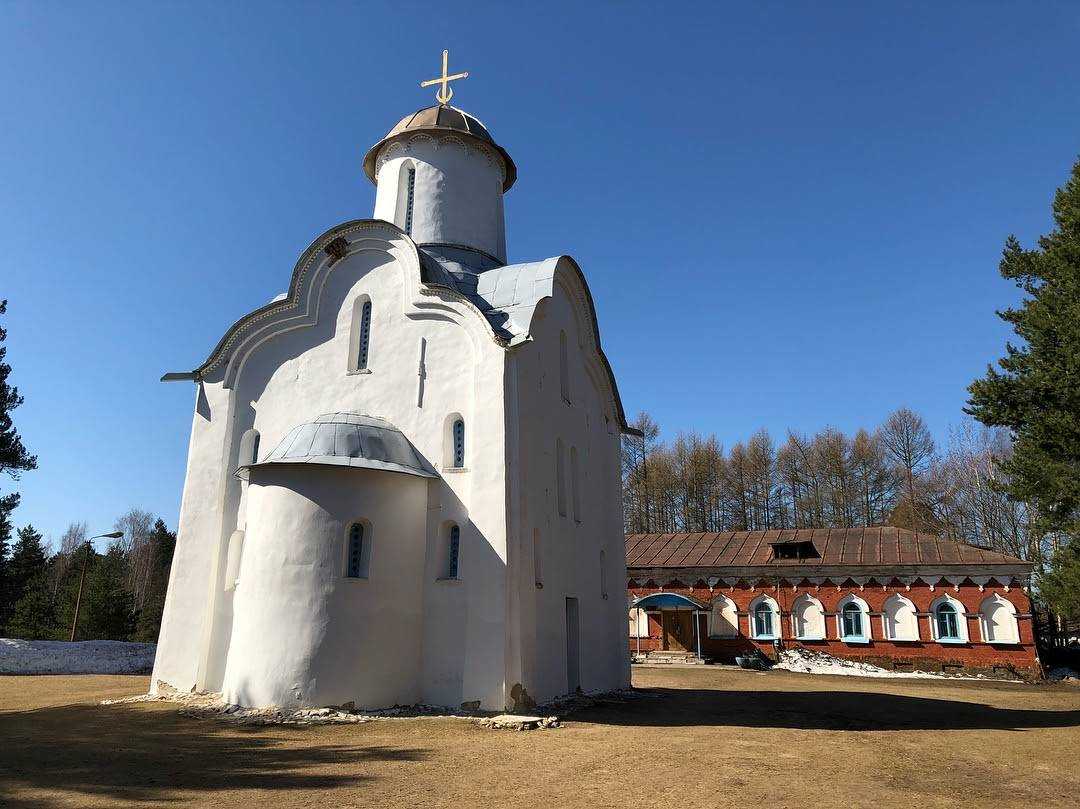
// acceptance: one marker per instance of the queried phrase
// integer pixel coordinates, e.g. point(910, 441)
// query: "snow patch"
point(807, 662)
point(80, 657)
point(1063, 673)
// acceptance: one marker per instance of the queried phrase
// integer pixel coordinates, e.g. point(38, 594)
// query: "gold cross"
point(446, 92)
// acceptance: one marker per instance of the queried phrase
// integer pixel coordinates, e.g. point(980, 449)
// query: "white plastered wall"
point(571, 549)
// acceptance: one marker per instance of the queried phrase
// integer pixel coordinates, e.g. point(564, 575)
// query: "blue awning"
point(668, 601)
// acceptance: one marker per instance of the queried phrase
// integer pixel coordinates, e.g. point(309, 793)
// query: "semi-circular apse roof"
point(347, 440)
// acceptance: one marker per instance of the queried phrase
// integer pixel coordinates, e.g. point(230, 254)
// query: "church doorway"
point(678, 630)
point(573, 647)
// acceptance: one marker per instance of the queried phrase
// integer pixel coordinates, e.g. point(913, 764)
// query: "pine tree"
point(162, 544)
point(110, 609)
point(1036, 394)
point(27, 561)
point(7, 599)
point(34, 616)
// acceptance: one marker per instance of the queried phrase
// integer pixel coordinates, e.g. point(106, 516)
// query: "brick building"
point(896, 598)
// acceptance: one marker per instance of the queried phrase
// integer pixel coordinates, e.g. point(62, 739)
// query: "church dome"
point(440, 119)
point(347, 439)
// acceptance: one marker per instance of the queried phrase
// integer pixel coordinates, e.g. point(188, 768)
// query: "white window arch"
point(560, 476)
point(723, 618)
point(639, 623)
point(853, 619)
point(357, 550)
point(403, 217)
point(564, 368)
point(457, 436)
point(808, 618)
point(764, 618)
point(948, 620)
point(899, 619)
point(360, 337)
point(997, 620)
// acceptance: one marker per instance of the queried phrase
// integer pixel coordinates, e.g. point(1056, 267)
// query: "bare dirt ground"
point(711, 737)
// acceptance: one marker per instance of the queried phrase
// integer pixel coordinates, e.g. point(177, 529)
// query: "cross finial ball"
point(445, 91)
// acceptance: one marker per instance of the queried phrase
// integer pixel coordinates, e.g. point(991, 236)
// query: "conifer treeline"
point(123, 588)
point(891, 475)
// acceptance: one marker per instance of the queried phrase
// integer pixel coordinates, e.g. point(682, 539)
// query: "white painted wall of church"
point(301, 374)
point(304, 633)
point(570, 550)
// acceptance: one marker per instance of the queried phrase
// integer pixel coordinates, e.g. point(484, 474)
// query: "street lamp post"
point(82, 575)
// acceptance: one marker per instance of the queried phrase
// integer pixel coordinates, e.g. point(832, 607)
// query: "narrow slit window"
point(453, 547)
point(575, 484)
point(564, 369)
point(560, 477)
point(365, 337)
point(356, 561)
point(538, 559)
point(603, 574)
point(410, 179)
point(459, 443)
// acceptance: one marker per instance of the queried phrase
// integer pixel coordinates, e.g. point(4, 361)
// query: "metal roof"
point(347, 440)
point(440, 119)
point(837, 547)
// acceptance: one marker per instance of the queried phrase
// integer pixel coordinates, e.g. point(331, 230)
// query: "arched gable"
point(299, 308)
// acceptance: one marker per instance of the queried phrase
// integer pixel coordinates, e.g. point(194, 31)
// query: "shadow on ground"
point(129, 753)
point(817, 710)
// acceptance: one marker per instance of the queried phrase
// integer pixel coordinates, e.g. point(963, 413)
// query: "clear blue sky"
point(790, 215)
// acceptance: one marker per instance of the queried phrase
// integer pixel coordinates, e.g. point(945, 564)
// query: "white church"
point(403, 478)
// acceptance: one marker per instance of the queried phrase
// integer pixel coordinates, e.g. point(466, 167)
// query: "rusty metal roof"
point(854, 547)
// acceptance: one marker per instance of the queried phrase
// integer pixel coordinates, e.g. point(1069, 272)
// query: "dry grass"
point(712, 737)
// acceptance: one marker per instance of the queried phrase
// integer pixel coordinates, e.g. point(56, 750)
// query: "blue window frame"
point(452, 548)
point(459, 444)
point(852, 621)
point(948, 627)
point(763, 620)
point(409, 194)
point(365, 337)
point(354, 567)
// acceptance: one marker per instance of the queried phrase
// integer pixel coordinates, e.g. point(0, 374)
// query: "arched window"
point(723, 619)
point(808, 618)
point(459, 443)
point(898, 619)
point(639, 623)
point(853, 619)
point(997, 620)
point(538, 559)
point(365, 336)
point(453, 549)
point(564, 368)
point(949, 621)
point(357, 552)
point(560, 477)
point(764, 619)
point(575, 484)
point(360, 339)
point(410, 193)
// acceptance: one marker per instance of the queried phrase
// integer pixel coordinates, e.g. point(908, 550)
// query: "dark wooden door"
point(677, 630)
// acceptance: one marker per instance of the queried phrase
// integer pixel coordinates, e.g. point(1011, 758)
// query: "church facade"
point(403, 479)
point(899, 599)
